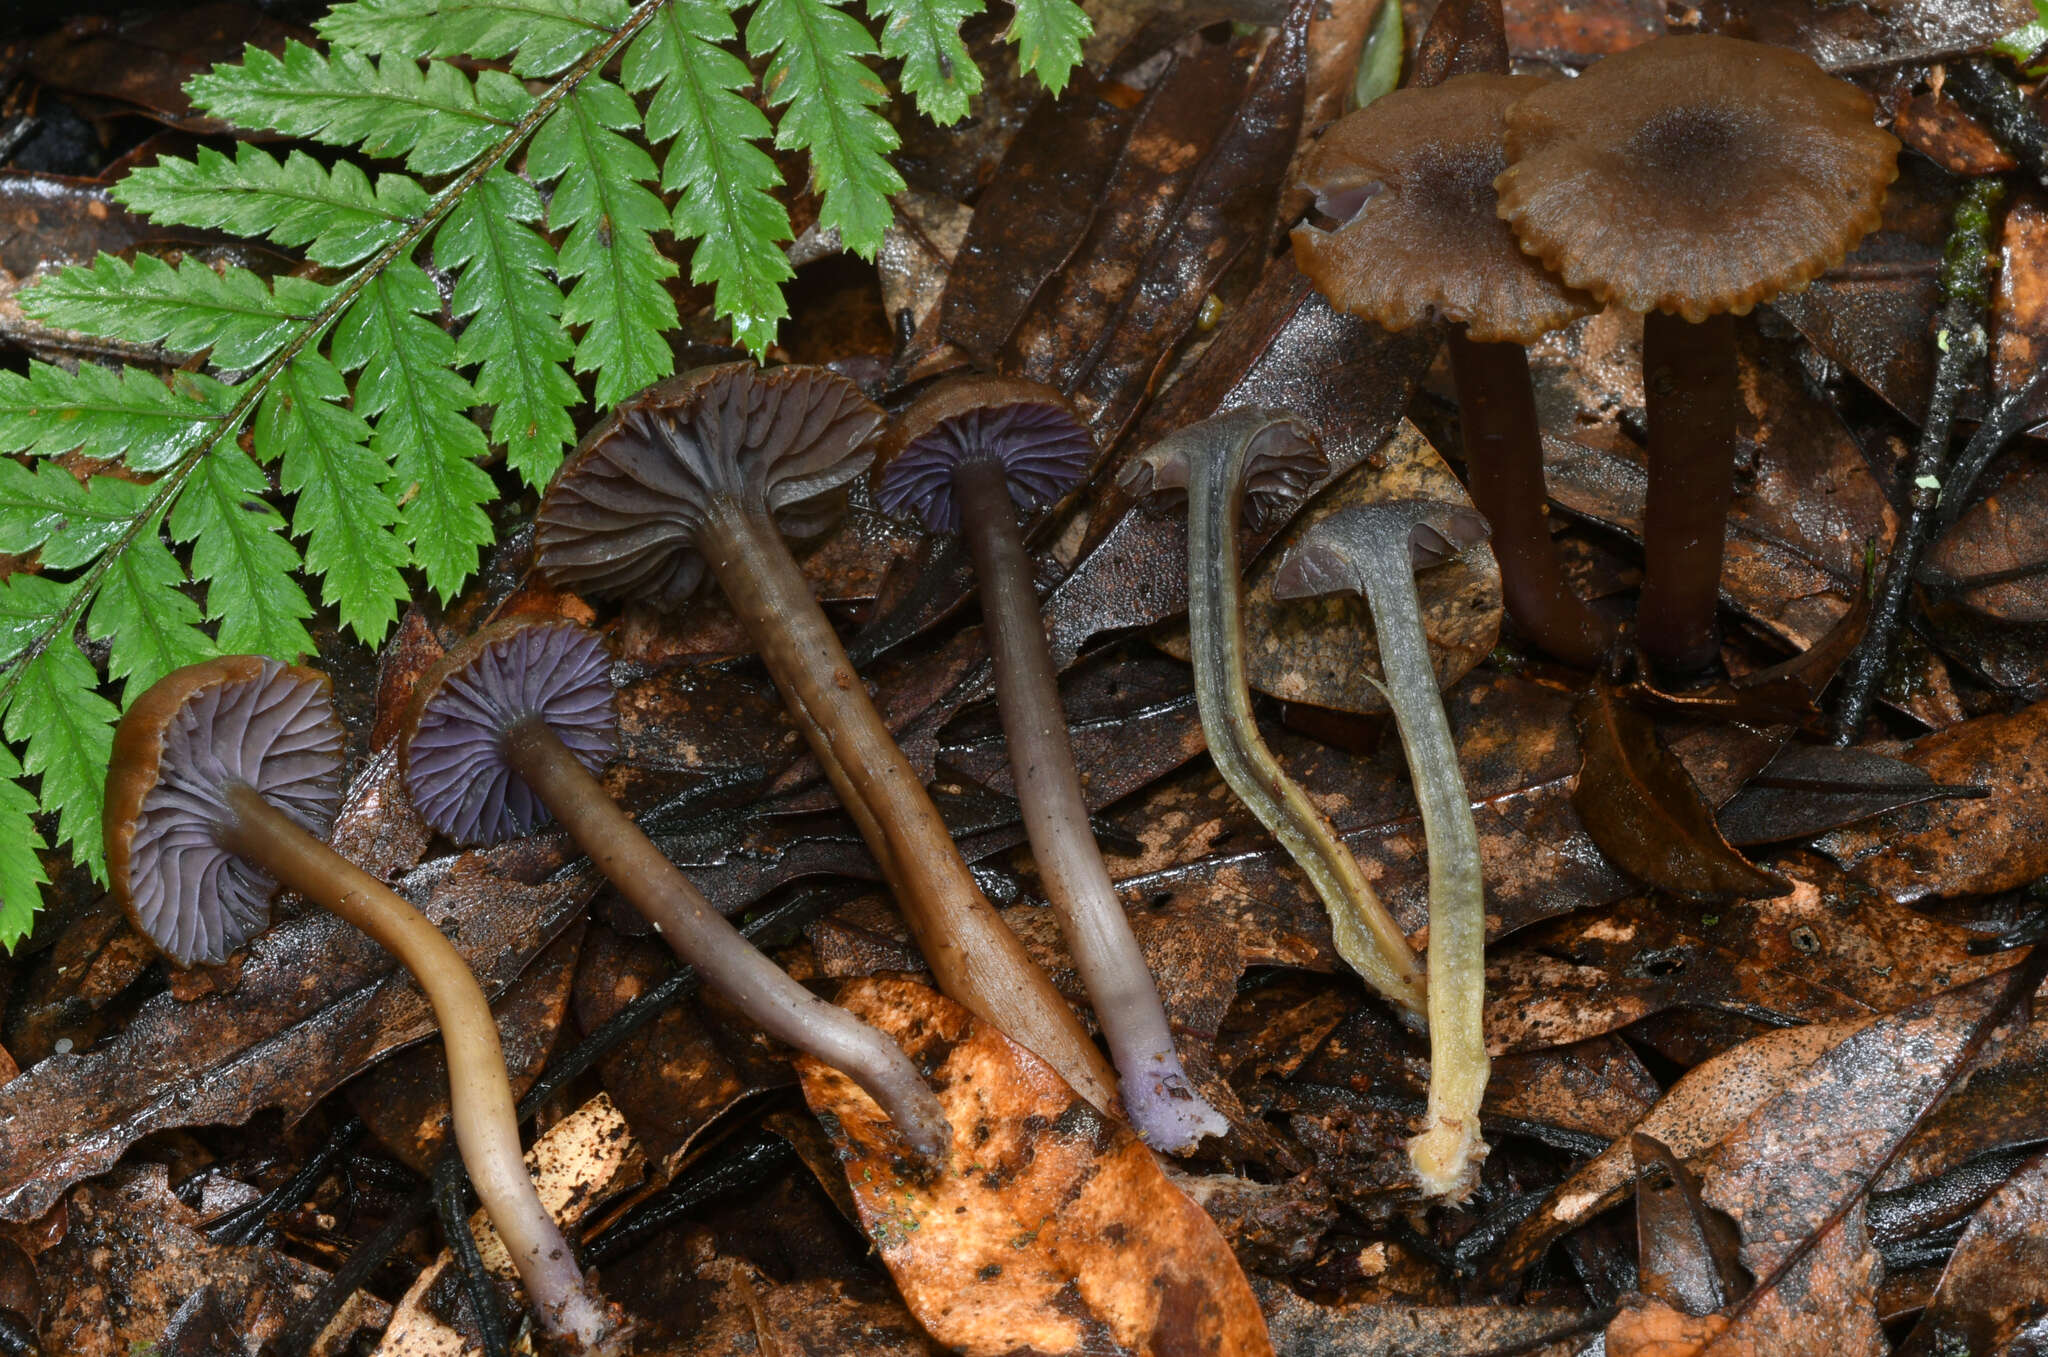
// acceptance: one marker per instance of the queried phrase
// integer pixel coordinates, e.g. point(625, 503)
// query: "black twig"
point(748, 1165)
point(242, 1224)
point(1989, 96)
point(1961, 343)
point(451, 1197)
point(768, 925)
point(2001, 425)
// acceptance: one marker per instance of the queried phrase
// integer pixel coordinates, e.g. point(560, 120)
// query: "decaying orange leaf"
point(1654, 1329)
point(1048, 1228)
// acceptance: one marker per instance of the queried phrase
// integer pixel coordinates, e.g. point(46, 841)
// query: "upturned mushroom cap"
point(1410, 178)
point(1695, 174)
point(453, 745)
point(198, 731)
point(1042, 443)
point(1281, 462)
point(624, 513)
point(1339, 553)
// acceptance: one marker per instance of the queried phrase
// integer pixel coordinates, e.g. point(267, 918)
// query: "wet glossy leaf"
point(1995, 559)
point(1996, 1282)
point(1810, 789)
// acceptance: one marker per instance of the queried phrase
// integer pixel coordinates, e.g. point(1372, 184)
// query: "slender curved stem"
point(703, 937)
point(1365, 933)
point(1163, 1105)
point(1504, 472)
point(1447, 1152)
point(978, 961)
point(1689, 391)
point(480, 1096)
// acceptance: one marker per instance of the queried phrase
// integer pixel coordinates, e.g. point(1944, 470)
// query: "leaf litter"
point(1841, 935)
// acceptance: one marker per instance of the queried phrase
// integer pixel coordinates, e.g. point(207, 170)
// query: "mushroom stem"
point(701, 936)
point(480, 1097)
point(1365, 933)
point(1504, 472)
point(1689, 389)
point(977, 959)
point(1162, 1104)
point(1446, 1152)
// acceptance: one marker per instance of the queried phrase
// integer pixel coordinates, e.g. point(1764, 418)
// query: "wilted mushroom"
point(1375, 550)
point(705, 471)
point(509, 728)
point(224, 773)
point(1409, 179)
point(966, 457)
point(1691, 178)
point(1261, 461)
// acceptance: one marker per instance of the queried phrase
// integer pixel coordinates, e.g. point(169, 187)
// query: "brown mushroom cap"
point(1695, 175)
point(197, 731)
point(623, 515)
point(1410, 176)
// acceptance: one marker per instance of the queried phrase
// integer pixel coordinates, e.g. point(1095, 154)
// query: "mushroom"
point(1263, 461)
point(509, 729)
point(1409, 179)
point(1691, 178)
point(223, 776)
point(965, 458)
point(705, 471)
point(1375, 550)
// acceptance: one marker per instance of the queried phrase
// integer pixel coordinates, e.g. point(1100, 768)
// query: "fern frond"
point(716, 168)
point(21, 871)
point(239, 548)
point(334, 213)
point(407, 384)
point(143, 612)
point(433, 116)
point(618, 297)
point(542, 37)
point(46, 510)
point(514, 337)
point(122, 414)
point(925, 36)
point(1048, 35)
point(818, 77)
point(66, 731)
point(188, 309)
point(341, 506)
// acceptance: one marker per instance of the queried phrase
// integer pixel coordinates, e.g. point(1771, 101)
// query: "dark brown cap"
point(198, 731)
point(1409, 179)
point(1695, 175)
point(453, 742)
point(623, 515)
point(1041, 441)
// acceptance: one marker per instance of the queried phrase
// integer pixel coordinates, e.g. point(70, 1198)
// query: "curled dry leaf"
point(1642, 808)
point(1049, 1228)
point(1323, 651)
point(1302, 1328)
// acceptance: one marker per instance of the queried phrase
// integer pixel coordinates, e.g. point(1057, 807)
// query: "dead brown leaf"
point(1048, 1227)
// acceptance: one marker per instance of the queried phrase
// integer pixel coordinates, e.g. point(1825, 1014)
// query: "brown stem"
point(480, 1096)
point(1689, 389)
point(701, 936)
point(1504, 472)
point(1163, 1105)
point(976, 958)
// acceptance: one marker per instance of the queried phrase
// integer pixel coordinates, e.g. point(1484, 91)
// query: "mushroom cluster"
point(1687, 179)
